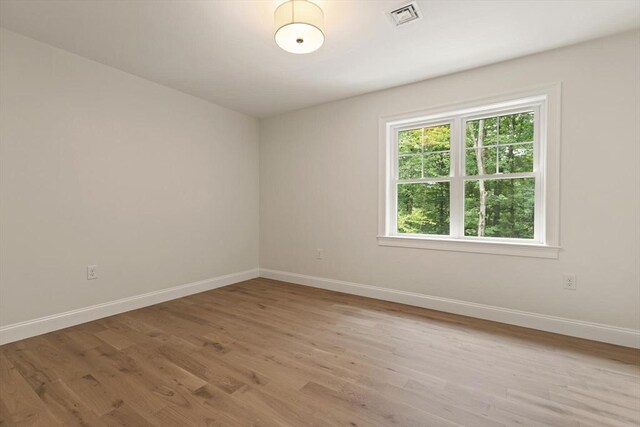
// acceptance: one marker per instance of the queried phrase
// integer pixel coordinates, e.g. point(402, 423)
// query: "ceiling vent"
point(405, 14)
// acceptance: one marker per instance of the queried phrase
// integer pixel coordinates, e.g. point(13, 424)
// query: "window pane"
point(437, 164)
point(423, 208)
point(500, 208)
point(410, 141)
point(516, 128)
point(485, 164)
point(516, 158)
point(410, 167)
point(437, 138)
point(482, 132)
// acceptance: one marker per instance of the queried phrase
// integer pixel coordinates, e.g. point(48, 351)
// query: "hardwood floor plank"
point(269, 353)
point(95, 395)
point(126, 416)
point(114, 339)
point(66, 406)
point(371, 408)
point(23, 405)
point(5, 420)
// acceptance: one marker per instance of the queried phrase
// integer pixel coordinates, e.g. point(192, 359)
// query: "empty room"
point(320, 213)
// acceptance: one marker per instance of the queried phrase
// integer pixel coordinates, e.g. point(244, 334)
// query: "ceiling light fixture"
point(299, 26)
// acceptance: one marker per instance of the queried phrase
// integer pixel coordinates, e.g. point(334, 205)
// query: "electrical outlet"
point(318, 253)
point(92, 272)
point(569, 282)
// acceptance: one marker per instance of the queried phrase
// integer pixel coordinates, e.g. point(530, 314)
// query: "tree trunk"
point(478, 143)
point(512, 196)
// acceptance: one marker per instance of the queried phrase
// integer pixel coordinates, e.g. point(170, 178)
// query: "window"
point(476, 178)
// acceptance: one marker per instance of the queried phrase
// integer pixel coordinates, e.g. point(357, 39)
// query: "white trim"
point(496, 247)
point(545, 100)
point(560, 325)
point(42, 325)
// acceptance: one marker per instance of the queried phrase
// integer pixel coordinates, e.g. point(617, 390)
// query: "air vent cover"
point(405, 14)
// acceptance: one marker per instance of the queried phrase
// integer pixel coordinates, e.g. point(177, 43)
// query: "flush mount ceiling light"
point(299, 26)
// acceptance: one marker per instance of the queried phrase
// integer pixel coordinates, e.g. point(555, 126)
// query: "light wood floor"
point(268, 353)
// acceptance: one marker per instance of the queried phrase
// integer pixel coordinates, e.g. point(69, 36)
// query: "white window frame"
point(545, 102)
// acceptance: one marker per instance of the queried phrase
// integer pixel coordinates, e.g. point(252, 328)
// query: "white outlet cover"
point(569, 281)
point(92, 272)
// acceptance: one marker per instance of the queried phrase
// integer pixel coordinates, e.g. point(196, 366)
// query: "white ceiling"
point(223, 50)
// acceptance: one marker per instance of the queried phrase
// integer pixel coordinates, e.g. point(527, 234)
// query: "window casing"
point(448, 169)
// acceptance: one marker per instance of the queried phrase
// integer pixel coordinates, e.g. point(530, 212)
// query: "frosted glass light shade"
point(299, 26)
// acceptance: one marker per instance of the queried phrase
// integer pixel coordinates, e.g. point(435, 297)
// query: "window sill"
point(484, 247)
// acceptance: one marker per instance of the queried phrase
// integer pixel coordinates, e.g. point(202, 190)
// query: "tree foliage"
point(493, 207)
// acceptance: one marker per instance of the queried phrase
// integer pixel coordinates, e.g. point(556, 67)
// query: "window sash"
point(457, 174)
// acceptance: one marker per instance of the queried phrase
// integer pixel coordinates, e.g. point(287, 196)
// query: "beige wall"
point(160, 189)
point(100, 167)
point(319, 189)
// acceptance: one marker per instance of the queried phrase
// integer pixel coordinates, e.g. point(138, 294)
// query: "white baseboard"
point(576, 328)
point(560, 325)
point(42, 325)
